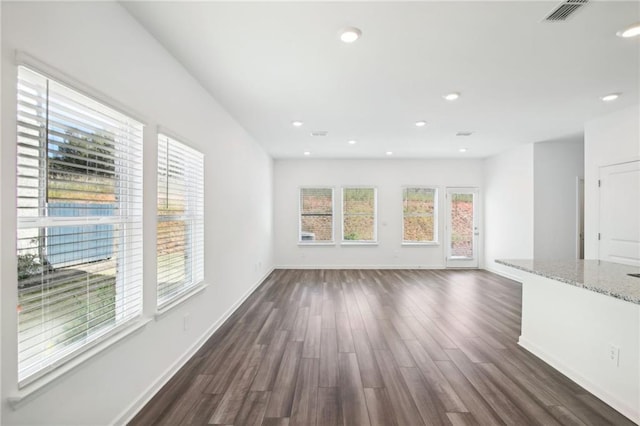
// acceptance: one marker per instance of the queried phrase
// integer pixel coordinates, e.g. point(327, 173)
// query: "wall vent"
point(319, 133)
point(565, 10)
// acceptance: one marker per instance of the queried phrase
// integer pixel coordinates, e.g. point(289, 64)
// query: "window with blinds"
point(419, 215)
point(316, 215)
point(359, 215)
point(79, 236)
point(180, 219)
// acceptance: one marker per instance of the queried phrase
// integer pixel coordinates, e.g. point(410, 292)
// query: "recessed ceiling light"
point(421, 123)
point(463, 150)
point(350, 34)
point(353, 142)
point(307, 153)
point(610, 97)
point(452, 96)
point(389, 153)
point(631, 31)
point(297, 123)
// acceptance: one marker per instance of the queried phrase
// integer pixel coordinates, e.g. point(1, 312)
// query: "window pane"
point(462, 225)
point(180, 238)
point(316, 214)
point(358, 211)
point(419, 210)
point(79, 236)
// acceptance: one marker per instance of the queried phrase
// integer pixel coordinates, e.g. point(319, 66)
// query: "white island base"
point(590, 337)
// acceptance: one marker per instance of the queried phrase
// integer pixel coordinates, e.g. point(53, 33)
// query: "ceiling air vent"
point(565, 10)
point(464, 133)
point(319, 133)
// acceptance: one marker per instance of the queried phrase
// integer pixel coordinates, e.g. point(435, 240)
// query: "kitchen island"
point(583, 318)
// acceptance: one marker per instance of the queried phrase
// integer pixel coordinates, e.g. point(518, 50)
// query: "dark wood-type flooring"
point(379, 347)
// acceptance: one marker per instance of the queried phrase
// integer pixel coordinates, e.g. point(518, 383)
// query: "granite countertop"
point(596, 275)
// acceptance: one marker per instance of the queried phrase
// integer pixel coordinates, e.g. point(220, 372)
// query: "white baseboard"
point(360, 267)
point(129, 413)
point(629, 412)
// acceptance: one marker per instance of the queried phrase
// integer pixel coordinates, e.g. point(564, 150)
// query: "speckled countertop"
point(595, 275)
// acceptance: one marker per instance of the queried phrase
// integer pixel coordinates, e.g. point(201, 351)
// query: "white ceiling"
point(522, 80)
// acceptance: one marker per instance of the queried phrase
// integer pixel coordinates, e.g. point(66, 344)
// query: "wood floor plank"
point(462, 419)
point(369, 370)
point(187, 401)
point(343, 329)
point(329, 407)
point(501, 403)
point(442, 388)
point(428, 404)
point(268, 369)
point(469, 395)
point(283, 389)
point(328, 358)
point(252, 410)
point(300, 325)
point(233, 398)
point(202, 411)
point(531, 407)
point(328, 314)
point(379, 407)
point(311, 346)
point(396, 345)
point(403, 406)
point(304, 409)
point(354, 406)
point(382, 347)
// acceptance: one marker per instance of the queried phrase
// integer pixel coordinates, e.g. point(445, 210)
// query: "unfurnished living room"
point(320, 213)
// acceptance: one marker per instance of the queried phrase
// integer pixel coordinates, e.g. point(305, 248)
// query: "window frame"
point(372, 242)
point(436, 214)
point(197, 285)
point(302, 242)
point(81, 351)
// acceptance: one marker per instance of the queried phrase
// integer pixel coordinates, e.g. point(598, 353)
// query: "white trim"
point(360, 267)
point(129, 413)
point(26, 60)
point(36, 387)
point(325, 243)
point(418, 244)
point(354, 243)
point(564, 368)
point(191, 292)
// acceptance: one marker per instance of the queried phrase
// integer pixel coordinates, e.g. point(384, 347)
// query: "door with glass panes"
point(461, 228)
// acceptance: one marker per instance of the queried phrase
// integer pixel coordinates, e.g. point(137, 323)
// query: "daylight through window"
point(79, 208)
point(180, 219)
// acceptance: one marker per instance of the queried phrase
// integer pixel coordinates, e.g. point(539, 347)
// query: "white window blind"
point(359, 215)
point(79, 237)
point(419, 215)
point(180, 219)
point(316, 215)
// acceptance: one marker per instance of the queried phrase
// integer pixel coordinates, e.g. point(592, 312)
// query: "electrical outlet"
point(614, 355)
point(186, 321)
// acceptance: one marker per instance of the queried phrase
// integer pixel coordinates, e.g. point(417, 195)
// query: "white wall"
point(102, 46)
point(611, 139)
point(389, 176)
point(556, 167)
point(508, 213)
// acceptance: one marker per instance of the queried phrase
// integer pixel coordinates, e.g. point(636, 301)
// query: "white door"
point(619, 230)
point(461, 228)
